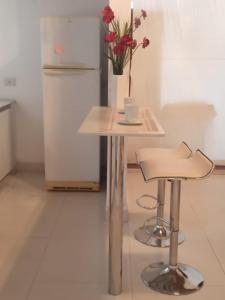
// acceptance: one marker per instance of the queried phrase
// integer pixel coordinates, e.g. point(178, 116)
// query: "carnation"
point(119, 38)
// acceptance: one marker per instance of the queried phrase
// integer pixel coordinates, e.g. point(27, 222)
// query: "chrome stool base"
point(156, 236)
point(179, 280)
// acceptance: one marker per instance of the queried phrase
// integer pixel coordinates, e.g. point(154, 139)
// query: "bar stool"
point(175, 278)
point(155, 230)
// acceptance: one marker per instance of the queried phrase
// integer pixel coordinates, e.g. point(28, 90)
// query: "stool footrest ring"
point(150, 207)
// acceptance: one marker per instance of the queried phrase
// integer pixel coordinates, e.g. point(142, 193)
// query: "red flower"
point(137, 22)
point(108, 14)
point(144, 13)
point(126, 40)
point(134, 44)
point(110, 37)
point(145, 42)
point(118, 49)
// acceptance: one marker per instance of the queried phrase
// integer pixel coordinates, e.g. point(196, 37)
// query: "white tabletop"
point(103, 121)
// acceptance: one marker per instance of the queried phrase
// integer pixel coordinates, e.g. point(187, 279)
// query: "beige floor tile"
point(75, 291)
point(83, 261)
point(74, 261)
point(84, 213)
point(13, 290)
point(56, 242)
point(21, 270)
point(29, 220)
point(20, 259)
point(26, 248)
point(23, 186)
point(218, 245)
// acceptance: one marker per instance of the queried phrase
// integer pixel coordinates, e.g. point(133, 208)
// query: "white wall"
point(20, 58)
point(182, 74)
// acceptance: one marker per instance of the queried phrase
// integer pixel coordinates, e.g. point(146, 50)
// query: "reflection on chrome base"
point(179, 280)
point(116, 214)
point(156, 236)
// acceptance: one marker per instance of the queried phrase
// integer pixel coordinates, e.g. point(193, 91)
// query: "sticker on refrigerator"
point(58, 49)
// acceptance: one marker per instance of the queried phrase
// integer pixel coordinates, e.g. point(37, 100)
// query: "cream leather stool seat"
point(183, 151)
point(175, 278)
point(155, 231)
point(195, 167)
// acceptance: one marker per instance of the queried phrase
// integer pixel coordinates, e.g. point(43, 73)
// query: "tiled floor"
point(53, 245)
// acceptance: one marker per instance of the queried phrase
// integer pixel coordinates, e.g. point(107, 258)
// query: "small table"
point(104, 121)
point(6, 164)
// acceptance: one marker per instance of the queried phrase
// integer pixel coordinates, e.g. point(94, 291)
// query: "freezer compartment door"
point(71, 42)
point(68, 97)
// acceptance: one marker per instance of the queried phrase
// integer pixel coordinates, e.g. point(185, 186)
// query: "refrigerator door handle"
point(66, 72)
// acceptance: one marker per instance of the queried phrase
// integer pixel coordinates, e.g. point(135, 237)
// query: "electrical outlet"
point(10, 81)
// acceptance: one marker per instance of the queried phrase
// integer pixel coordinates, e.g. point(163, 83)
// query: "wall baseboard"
point(39, 167)
point(220, 163)
point(219, 170)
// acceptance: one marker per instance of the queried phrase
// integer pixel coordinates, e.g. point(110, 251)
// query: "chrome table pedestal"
point(174, 278)
point(116, 215)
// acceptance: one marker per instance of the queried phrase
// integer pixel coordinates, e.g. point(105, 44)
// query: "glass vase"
point(117, 89)
point(117, 70)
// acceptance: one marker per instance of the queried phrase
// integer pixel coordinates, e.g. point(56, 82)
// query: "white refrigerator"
point(71, 86)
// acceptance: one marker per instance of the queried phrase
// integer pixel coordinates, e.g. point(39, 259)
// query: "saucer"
point(125, 122)
point(121, 111)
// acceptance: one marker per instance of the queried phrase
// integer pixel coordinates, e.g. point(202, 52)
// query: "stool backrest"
point(203, 164)
point(183, 150)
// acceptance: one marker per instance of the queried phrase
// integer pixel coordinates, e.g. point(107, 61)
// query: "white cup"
point(131, 112)
point(128, 100)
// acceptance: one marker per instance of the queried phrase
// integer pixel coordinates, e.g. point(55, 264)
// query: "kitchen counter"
point(6, 157)
point(5, 104)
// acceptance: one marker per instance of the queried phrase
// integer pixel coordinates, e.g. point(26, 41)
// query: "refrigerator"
point(70, 48)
